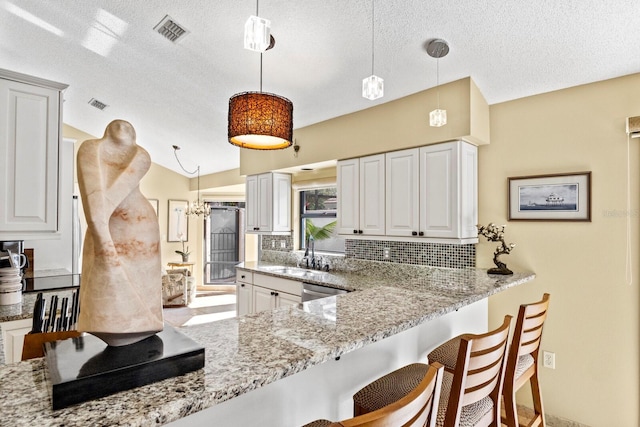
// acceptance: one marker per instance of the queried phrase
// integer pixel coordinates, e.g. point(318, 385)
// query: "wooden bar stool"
point(417, 408)
point(522, 360)
point(470, 394)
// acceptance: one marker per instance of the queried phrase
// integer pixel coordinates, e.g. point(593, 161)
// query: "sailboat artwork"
point(560, 197)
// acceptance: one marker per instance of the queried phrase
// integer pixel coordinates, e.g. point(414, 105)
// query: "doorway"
point(224, 243)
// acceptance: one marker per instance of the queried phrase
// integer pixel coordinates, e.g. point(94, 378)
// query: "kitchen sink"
point(295, 271)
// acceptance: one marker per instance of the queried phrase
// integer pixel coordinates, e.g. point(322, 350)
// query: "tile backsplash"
point(277, 243)
point(419, 253)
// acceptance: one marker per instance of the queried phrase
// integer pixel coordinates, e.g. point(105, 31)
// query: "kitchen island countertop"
point(248, 352)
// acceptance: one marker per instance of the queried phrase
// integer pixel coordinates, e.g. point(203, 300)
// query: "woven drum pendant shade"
point(260, 121)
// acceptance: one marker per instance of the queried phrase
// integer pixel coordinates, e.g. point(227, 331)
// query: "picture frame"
point(552, 197)
point(155, 204)
point(177, 223)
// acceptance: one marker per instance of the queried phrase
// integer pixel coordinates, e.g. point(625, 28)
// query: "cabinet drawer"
point(244, 276)
point(278, 284)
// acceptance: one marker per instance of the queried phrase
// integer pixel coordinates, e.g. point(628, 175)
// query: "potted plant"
point(312, 232)
point(184, 252)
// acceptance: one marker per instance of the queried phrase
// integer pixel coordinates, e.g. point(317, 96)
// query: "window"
point(318, 217)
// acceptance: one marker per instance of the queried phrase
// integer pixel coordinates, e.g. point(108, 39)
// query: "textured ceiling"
point(178, 93)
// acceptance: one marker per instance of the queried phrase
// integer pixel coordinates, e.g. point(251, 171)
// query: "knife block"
point(34, 343)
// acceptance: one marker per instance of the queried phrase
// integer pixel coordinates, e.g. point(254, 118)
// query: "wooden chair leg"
point(511, 411)
point(537, 401)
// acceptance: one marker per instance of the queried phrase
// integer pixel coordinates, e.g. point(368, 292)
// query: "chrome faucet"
point(312, 243)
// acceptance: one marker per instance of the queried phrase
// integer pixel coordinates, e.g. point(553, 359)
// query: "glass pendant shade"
point(260, 121)
point(438, 118)
point(257, 34)
point(373, 87)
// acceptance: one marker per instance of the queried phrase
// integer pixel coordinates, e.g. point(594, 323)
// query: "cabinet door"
point(265, 201)
point(439, 190)
point(13, 336)
point(251, 210)
point(348, 196)
point(263, 299)
point(30, 123)
point(281, 198)
point(244, 299)
point(288, 300)
point(402, 193)
point(372, 195)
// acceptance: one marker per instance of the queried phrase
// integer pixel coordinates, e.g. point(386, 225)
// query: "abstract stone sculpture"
point(493, 233)
point(121, 293)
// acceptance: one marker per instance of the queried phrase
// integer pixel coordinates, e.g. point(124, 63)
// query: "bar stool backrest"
point(479, 371)
point(418, 408)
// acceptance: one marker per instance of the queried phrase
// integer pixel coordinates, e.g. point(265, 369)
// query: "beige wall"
point(390, 126)
point(593, 323)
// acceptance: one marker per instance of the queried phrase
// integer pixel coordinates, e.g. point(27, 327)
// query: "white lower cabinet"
point(259, 292)
point(244, 298)
point(13, 333)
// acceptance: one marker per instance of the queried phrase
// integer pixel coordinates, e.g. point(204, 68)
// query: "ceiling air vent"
point(170, 29)
point(98, 104)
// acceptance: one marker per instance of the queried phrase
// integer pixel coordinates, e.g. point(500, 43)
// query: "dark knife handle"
point(53, 312)
point(43, 310)
point(63, 314)
point(75, 302)
point(36, 322)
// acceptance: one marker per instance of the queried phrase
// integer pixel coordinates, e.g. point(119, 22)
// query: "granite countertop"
point(245, 353)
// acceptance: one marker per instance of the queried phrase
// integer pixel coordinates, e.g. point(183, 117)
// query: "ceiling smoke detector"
point(97, 104)
point(170, 29)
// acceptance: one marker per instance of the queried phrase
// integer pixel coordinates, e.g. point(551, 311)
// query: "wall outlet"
point(549, 360)
point(386, 253)
point(283, 244)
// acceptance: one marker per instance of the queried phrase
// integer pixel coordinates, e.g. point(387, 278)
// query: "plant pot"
point(185, 258)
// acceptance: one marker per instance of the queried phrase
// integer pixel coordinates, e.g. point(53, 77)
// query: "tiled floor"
point(206, 307)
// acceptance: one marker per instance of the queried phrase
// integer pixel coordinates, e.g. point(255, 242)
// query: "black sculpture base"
point(85, 368)
point(504, 271)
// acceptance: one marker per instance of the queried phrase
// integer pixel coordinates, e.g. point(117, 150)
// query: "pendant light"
point(438, 48)
point(260, 120)
point(199, 207)
point(257, 33)
point(372, 86)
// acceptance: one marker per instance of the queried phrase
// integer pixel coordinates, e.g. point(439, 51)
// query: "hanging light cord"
point(373, 33)
point(175, 153)
point(628, 266)
point(438, 79)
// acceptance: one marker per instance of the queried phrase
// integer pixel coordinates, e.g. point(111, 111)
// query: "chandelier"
point(197, 207)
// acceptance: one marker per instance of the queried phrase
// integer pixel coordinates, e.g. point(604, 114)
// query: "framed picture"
point(177, 224)
point(154, 204)
point(557, 197)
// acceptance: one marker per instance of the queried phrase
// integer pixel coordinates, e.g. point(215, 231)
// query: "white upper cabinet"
point(449, 190)
point(268, 204)
point(30, 124)
point(424, 193)
point(361, 197)
point(402, 193)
